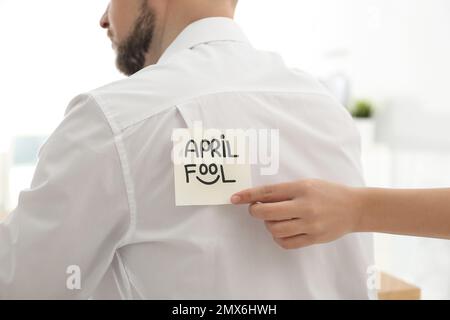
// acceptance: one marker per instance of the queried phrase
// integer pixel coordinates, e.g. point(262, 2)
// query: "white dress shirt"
point(102, 197)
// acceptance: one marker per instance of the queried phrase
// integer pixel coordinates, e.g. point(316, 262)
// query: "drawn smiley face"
point(212, 170)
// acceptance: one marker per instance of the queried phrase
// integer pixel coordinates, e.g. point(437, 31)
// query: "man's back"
point(100, 216)
point(213, 75)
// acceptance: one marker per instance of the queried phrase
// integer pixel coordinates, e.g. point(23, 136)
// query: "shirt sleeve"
point(73, 218)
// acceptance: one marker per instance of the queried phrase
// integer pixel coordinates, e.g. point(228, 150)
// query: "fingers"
point(284, 209)
point(285, 223)
point(296, 242)
point(278, 211)
point(273, 193)
point(287, 228)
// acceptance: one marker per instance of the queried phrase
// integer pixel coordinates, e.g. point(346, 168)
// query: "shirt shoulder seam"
point(176, 102)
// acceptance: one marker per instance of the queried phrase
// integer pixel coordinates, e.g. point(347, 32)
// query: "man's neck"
point(175, 24)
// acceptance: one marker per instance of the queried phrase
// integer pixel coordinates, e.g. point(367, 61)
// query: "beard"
point(132, 51)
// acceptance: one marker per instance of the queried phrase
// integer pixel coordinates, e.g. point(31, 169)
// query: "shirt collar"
point(203, 31)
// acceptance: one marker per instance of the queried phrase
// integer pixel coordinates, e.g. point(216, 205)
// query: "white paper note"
point(209, 166)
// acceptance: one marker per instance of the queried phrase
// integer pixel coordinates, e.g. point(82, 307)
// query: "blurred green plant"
point(362, 109)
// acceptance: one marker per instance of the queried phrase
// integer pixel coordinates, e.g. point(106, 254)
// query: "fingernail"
point(235, 199)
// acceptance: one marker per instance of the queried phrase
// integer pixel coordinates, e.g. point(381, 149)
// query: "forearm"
point(424, 213)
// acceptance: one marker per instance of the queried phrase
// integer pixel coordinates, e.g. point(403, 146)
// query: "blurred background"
point(387, 61)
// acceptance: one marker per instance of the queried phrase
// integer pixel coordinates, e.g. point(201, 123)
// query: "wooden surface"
point(396, 289)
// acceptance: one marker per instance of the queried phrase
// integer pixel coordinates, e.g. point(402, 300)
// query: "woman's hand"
point(303, 213)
